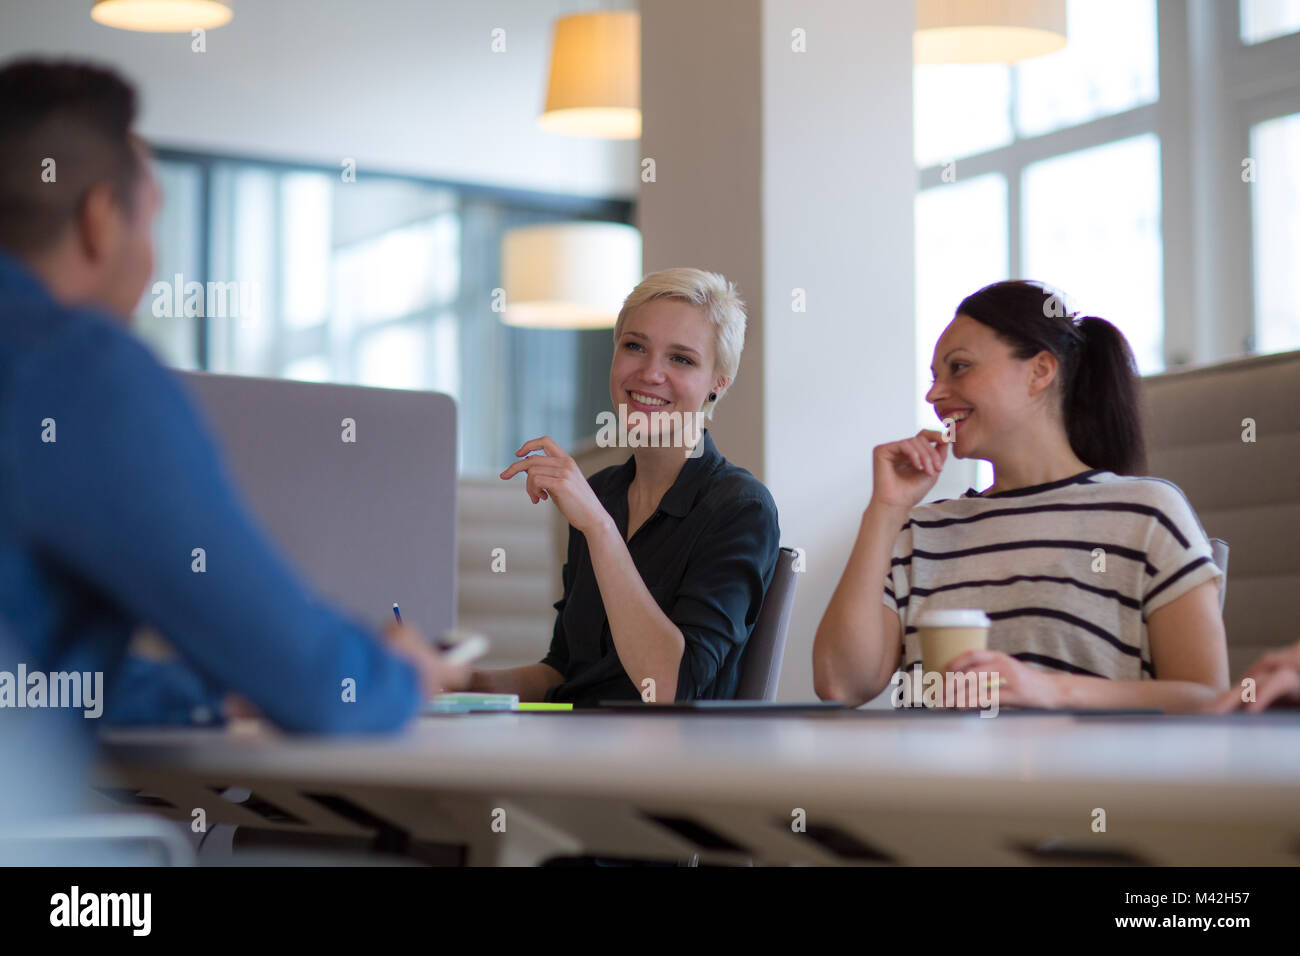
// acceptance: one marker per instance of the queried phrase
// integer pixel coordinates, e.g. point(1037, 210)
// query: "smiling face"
point(989, 393)
point(664, 359)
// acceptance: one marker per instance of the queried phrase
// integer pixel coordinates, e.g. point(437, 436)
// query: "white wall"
point(793, 170)
point(838, 188)
point(408, 86)
point(702, 106)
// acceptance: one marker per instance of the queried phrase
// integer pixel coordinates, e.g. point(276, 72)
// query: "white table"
point(912, 788)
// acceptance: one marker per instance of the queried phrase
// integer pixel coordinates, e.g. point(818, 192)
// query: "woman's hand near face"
point(903, 472)
point(556, 476)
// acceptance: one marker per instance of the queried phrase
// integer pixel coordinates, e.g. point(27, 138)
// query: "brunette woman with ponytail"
point(1099, 582)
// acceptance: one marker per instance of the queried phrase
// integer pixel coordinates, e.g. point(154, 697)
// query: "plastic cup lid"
point(953, 617)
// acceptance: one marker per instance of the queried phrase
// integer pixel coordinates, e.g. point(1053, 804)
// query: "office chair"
point(1220, 549)
point(760, 663)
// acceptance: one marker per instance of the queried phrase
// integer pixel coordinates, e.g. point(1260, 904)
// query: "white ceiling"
point(406, 86)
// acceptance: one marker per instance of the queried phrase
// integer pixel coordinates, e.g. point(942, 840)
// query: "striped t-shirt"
point(1030, 559)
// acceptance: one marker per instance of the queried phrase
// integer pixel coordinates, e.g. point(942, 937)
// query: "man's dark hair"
point(80, 117)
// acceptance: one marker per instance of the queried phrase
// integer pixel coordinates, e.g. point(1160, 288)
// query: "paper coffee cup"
point(947, 633)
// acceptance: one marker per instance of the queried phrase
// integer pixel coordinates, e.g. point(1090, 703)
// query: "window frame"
point(1213, 88)
point(561, 205)
point(1262, 82)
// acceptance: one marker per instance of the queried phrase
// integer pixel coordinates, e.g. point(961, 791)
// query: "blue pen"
point(397, 612)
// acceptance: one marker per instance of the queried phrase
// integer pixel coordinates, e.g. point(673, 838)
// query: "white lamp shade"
point(987, 31)
point(595, 79)
point(161, 16)
point(569, 275)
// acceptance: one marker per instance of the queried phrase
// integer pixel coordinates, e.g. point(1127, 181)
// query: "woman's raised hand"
point(556, 476)
point(903, 472)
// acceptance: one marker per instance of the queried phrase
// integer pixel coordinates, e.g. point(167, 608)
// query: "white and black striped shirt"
point(1032, 560)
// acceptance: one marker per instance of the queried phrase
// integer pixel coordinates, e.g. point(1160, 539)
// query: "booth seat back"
point(1229, 436)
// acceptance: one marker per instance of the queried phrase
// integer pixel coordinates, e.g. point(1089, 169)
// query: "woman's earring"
point(713, 396)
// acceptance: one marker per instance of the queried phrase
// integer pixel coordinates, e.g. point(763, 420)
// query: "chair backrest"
point(760, 664)
point(1220, 549)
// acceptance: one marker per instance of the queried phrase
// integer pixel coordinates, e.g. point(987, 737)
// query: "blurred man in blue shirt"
point(108, 478)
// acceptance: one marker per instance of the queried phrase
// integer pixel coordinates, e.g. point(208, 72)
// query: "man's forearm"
point(144, 466)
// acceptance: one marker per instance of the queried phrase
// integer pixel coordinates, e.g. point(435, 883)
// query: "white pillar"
point(782, 139)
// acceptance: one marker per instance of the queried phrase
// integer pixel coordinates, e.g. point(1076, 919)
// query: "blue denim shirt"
point(109, 481)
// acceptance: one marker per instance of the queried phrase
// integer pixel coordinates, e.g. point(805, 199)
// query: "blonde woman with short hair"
point(670, 554)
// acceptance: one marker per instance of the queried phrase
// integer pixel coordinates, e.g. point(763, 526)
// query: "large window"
point(1048, 170)
point(1263, 20)
point(1275, 149)
point(1150, 170)
point(1090, 224)
point(961, 244)
point(1108, 66)
point(291, 272)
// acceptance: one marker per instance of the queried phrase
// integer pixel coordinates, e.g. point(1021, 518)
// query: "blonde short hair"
point(709, 291)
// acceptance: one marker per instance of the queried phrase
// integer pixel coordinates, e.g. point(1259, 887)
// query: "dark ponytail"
point(1101, 404)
